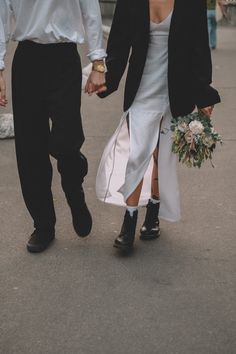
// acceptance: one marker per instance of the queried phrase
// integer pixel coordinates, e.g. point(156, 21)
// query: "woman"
point(169, 75)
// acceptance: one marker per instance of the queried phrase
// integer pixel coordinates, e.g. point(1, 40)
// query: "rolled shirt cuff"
point(2, 65)
point(2, 55)
point(97, 54)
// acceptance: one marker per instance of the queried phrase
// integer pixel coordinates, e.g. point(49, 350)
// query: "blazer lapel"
point(141, 20)
point(145, 15)
point(173, 15)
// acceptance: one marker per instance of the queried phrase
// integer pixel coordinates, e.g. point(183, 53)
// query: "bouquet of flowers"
point(194, 139)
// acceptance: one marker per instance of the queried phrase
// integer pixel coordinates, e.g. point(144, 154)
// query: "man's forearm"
point(3, 100)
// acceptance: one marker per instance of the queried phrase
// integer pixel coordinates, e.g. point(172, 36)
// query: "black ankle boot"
point(126, 237)
point(150, 229)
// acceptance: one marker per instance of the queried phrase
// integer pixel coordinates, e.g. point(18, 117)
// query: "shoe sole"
point(123, 248)
point(148, 237)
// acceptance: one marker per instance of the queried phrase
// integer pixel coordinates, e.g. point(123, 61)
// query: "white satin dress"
point(128, 156)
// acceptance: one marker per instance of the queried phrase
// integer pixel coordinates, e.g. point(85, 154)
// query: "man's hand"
point(3, 100)
point(96, 83)
point(207, 111)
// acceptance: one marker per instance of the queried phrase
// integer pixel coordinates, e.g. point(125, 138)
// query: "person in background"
point(46, 84)
point(212, 23)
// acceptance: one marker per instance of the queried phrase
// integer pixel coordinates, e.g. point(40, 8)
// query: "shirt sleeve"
point(5, 15)
point(93, 27)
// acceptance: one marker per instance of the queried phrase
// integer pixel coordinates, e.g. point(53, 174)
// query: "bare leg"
point(134, 197)
point(150, 229)
point(155, 183)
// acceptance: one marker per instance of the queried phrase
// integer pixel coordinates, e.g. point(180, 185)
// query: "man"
point(212, 23)
point(46, 84)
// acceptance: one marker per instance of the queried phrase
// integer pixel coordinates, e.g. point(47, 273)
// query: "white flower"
point(182, 127)
point(196, 127)
point(208, 141)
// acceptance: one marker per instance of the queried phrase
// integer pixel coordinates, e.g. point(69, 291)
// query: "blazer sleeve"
point(118, 47)
point(204, 94)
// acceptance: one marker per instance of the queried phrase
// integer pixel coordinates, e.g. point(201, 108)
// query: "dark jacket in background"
point(189, 67)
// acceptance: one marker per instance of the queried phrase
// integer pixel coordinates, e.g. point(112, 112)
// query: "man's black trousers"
point(46, 92)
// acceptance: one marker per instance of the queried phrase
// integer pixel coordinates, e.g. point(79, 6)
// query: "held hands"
point(96, 83)
point(207, 111)
point(3, 100)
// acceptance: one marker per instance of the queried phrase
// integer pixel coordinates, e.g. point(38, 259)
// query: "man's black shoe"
point(39, 241)
point(81, 217)
point(73, 169)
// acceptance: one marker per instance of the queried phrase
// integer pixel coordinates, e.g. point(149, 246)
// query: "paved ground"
point(173, 296)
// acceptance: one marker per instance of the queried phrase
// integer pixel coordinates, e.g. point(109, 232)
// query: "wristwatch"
point(99, 66)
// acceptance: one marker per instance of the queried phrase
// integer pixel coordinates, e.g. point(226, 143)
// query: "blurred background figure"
point(212, 22)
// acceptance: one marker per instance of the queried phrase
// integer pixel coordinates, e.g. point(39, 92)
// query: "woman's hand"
point(96, 83)
point(3, 100)
point(207, 111)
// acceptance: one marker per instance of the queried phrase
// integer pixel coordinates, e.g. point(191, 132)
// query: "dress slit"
point(139, 160)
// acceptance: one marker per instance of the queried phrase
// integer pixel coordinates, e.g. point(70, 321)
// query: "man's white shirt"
point(52, 21)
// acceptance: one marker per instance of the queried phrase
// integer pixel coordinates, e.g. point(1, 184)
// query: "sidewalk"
point(173, 296)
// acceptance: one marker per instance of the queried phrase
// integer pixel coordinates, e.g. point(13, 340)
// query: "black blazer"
point(189, 65)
